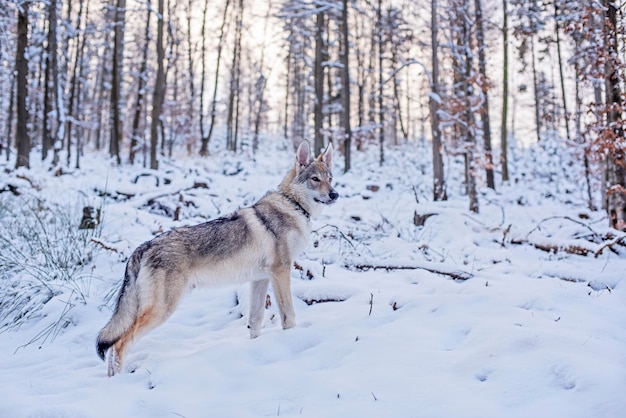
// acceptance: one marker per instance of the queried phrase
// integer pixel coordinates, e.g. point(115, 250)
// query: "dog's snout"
point(333, 195)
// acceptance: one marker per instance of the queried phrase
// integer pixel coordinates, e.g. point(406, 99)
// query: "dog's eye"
point(315, 179)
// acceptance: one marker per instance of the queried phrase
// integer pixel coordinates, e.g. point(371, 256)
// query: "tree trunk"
point(504, 159)
point(232, 119)
point(616, 161)
point(116, 82)
point(73, 86)
point(345, 87)
point(439, 185)
point(535, 88)
point(51, 80)
point(484, 114)
point(159, 91)
point(192, 87)
point(141, 92)
point(204, 150)
point(22, 140)
point(381, 116)
point(318, 74)
point(558, 50)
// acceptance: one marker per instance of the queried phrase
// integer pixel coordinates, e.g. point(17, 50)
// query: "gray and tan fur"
point(255, 244)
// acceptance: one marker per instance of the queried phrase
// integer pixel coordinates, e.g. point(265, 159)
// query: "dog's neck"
point(297, 205)
point(285, 189)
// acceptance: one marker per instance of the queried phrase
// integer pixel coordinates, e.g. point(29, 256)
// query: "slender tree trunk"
point(141, 92)
point(558, 50)
point(287, 93)
point(616, 161)
point(10, 118)
point(504, 159)
point(484, 114)
point(345, 87)
point(190, 63)
point(51, 79)
point(439, 185)
point(203, 147)
point(260, 87)
point(116, 83)
point(159, 91)
point(318, 74)
point(535, 89)
point(73, 86)
point(78, 130)
point(234, 93)
point(381, 115)
point(204, 150)
point(22, 140)
point(470, 137)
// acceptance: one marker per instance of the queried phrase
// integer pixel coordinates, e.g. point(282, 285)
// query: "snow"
point(525, 333)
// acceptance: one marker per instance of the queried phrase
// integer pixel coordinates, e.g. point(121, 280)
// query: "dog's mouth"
point(325, 202)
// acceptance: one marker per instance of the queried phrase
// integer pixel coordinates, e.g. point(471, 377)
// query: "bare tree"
point(504, 160)
point(141, 91)
point(204, 150)
point(159, 91)
point(116, 83)
point(345, 87)
point(22, 139)
point(439, 185)
point(51, 80)
point(318, 76)
point(484, 85)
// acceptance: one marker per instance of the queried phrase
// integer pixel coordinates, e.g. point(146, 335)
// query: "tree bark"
point(381, 116)
point(22, 140)
point(484, 114)
point(558, 50)
point(204, 150)
point(318, 74)
point(504, 137)
point(51, 80)
point(345, 88)
point(159, 91)
point(616, 167)
point(439, 185)
point(116, 82)
point(141, 91)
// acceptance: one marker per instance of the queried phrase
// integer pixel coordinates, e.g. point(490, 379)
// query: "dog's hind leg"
point(282, 289)
point(162, 304)
point(258, 299)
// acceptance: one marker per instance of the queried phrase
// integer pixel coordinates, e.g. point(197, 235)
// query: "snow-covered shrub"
point(43, 254)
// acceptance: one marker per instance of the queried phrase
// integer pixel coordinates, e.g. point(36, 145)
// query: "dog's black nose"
point(333, 195)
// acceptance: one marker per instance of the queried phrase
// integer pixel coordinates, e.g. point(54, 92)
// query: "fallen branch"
point(104, 245)
point(609, 244)
point(456, 275)
point(538, 226)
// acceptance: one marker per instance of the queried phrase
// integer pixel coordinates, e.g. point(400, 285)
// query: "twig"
point(609, 244)
point(538, 226)
point(104, 245)
point(371, 303)
point(456, 275)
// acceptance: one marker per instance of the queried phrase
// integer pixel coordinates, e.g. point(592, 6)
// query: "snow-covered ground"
point(465, 316)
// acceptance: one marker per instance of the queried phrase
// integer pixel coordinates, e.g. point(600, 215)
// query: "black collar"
point(298, 206)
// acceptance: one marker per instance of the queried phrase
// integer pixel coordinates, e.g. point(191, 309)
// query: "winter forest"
point(478, 243)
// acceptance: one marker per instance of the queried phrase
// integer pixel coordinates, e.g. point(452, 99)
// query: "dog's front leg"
point(282, 290)
point(258, 296)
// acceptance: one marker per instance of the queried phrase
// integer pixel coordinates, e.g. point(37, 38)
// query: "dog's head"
point(314, 176)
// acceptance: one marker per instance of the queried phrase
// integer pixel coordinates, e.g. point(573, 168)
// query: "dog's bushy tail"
point(126, 309)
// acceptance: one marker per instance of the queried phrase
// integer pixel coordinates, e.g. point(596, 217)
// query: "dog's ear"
point(327, 156)
point(303, 155)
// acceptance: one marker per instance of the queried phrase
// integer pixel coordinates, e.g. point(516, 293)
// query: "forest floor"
point(405, 307)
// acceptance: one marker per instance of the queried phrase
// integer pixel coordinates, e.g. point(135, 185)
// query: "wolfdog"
point(254, 244)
